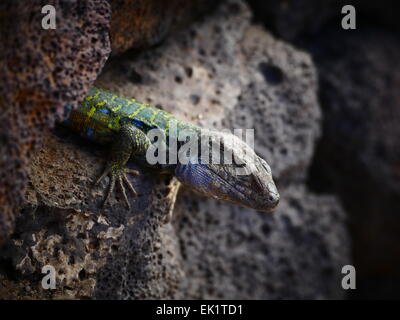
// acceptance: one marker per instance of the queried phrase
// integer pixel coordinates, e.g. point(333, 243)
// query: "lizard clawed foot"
point(118, 175)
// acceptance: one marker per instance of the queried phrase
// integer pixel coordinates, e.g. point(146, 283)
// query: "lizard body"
point(124, 124)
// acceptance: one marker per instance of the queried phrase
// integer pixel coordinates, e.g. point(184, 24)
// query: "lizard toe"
point(110, 190)
point(133, 172)
point(105, 173)
point(118, 175)
point(128, 183)
point(121, 186)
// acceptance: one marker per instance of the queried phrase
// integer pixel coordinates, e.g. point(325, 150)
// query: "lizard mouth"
point(251, 200)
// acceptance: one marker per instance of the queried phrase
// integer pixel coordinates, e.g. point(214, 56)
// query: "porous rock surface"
point(41, 72)
point(362, 107)
point(358, 156)
point(44, 70)
point(137, 24)
point(222, 72)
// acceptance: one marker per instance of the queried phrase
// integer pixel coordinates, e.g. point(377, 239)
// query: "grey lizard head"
point(245, 180)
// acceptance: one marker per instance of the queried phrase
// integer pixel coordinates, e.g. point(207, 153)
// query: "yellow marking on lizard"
point(142, 106)
point(167, 125)
point(153, 116)
point(102, 103)
point(96, 95)
point(91, 112)
point(116, 120)
point(167, 116)
point(116, 108)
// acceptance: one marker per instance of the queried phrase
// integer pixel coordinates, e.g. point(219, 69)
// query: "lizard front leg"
point(128, 141)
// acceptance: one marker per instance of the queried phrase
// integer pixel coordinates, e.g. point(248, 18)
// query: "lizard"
point(124, 124)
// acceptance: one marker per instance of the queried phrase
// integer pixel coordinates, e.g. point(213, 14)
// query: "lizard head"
point(244, 180)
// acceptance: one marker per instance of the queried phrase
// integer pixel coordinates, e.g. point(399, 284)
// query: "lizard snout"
point(273, 200)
